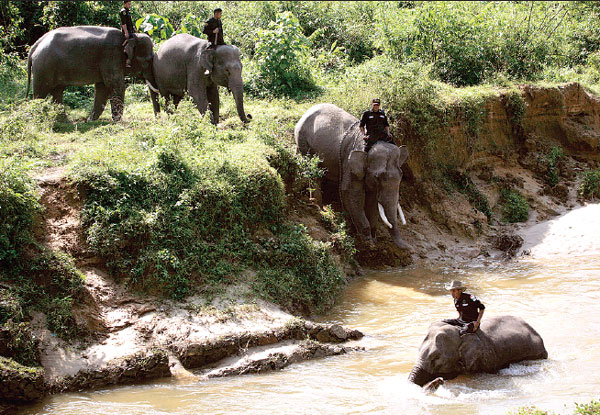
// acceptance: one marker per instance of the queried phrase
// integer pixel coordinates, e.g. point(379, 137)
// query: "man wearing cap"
point(470, 309)
point(376, 124)
point(128, 31)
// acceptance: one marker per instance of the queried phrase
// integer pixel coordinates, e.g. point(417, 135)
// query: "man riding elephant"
point(376, 124)
point(368, 183)
point(470, 309)
point(128, 31)
point(213, 29)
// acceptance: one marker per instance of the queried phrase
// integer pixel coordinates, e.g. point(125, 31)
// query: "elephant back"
point(512, 339)
point(320, 132)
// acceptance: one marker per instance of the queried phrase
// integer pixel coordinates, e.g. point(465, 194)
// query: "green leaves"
point(281, 58)
point(155, 26)
point(192, 25)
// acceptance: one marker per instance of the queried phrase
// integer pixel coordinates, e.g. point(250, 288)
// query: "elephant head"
point(373, 185)
point(227, 72)
point(142, 61)
point(439, 355)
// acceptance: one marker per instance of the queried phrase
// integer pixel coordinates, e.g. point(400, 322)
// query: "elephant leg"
point(168, 109)
point(100, 99)
point(57, 94)
point(155, 103)
point(117, 104)
point(355, 205)
point(212, 93)
point(176, 100)
point(372, 211)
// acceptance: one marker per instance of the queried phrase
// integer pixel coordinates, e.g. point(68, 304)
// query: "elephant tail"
point(28, 74)
point(33, 48)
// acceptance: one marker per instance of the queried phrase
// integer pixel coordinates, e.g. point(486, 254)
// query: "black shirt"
point(375, 121)
point(468, 306)
point(126, 20)
point(210, 25)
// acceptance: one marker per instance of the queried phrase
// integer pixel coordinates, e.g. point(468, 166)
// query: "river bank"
point(460, 217)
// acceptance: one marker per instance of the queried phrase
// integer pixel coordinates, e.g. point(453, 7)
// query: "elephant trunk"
point(420, 376)
point(238, 95)
point(390, 209)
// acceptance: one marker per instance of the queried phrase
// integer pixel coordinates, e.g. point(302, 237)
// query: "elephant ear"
point(403, 156)
point(357, 162)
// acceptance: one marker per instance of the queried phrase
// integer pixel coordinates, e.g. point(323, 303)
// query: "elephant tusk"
point(383, 217)
point(401, 214)
point(151, 87)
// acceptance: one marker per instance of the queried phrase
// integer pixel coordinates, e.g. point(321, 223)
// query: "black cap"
point(376, 101)
point(217, 10)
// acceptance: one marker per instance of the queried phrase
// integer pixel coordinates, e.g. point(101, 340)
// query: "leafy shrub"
point(280, 63)
point(591, 408)
point(18, 207)
point(180, 205)
point(340, 238)
point(157, 27)
point(463, 183)
point(552, 159)
point(514, 206)
point(590, 185)
point(79, 96)
point(308, 277)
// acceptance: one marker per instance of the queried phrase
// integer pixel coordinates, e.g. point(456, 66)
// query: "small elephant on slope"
point(499, 342)
point(369, 182)
point(180, 66)
point(83, 55)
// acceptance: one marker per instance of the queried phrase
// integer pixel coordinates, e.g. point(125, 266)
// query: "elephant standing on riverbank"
point(83, 55)
point(180, 66)
point(369, 182)
point(499, 342)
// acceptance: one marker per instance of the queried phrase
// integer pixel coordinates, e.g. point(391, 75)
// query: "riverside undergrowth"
point(180, 206)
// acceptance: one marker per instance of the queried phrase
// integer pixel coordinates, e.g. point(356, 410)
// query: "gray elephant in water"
point(83, 55)
point(499, 342)
point(368, 182)
point(180, 65)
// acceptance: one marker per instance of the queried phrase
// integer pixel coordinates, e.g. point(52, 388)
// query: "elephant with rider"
point(182, 65)
point(84, 55)
point(368, 182)
point(499, 342)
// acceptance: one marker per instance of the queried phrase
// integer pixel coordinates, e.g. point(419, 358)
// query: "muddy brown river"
point(556, 289)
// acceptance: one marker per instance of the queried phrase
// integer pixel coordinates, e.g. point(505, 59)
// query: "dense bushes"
point(181, 205)
point(280, 64)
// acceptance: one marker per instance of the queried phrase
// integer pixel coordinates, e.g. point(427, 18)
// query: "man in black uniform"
point(214, 29)
point(128, 31)
point(470, 309)
point(376, 123)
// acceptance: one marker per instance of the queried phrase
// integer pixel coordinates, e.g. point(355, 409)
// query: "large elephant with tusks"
point(497, 343)
point(368, 182)
point(84, 55)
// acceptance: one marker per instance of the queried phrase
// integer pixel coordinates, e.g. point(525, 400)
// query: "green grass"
point(591, 408)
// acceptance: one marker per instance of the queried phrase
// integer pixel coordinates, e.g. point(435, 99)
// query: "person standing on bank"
point(128, 32)
point(214, 30)
point(470, 309)
point(375, 122)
